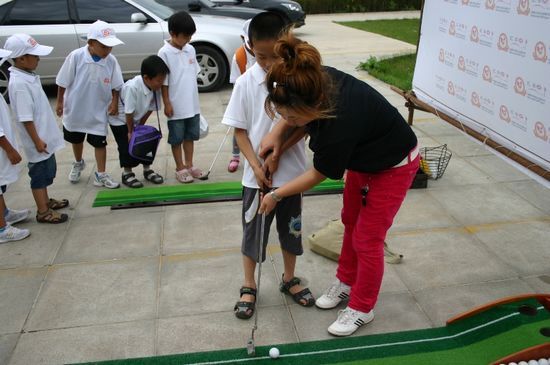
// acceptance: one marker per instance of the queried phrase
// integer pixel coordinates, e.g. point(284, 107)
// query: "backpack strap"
point(157, 110)
point(240, 57)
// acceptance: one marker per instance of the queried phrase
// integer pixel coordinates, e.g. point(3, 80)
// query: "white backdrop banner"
point(487, 64)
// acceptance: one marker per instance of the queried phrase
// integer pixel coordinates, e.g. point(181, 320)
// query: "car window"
point(159, 10)
point(26, 12)
point(110, 11)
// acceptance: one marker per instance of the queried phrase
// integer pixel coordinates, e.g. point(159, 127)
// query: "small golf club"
point(205, 177)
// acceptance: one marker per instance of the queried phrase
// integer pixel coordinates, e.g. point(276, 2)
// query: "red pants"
point(367, 220)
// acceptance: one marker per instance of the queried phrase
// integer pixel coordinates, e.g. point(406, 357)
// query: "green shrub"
point(354, 6)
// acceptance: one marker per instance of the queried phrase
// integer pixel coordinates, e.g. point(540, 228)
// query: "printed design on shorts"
point(295, 226)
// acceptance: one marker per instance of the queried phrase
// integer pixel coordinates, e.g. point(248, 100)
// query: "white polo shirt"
point(182, 79)
point(136, 98)
point(246, 111)
point(88, 87)
point(29, 103)
point(8, 173)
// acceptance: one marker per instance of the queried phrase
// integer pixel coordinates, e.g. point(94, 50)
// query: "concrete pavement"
point(163, 280)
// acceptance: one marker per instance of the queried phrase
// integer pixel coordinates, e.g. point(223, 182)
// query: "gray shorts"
point(289, 226)
point(180, 130)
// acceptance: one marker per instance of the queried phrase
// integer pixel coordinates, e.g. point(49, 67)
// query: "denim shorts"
point(180, 130)
point(42, 173)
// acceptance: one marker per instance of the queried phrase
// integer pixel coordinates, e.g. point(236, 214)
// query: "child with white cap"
point(88, 90)
point(38, 131)
point(9, 172)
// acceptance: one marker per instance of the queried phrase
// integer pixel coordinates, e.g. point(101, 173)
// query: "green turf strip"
point(487, 336)
point(229, 190)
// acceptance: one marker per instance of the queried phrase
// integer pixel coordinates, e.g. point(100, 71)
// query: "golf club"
point(250, 346)
point(205, 177)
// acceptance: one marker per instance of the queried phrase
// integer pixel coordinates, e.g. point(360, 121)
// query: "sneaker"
point(184, 176)
point(16, 216)
point(104, 179)
point(74, 175)
point(12, 233)
point(335, 293)
point(349, 320)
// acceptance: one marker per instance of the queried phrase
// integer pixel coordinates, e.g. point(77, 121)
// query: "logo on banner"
point(474, 34)
point(456, 90)
point(457, 29)
point(452, 28)
point(446, 57)
point(440, 83)
point(540, 9)
point(490, 4)
point(451, 88)
point(503, 42)
point(487, 74)
point(540, 54)
point(474, 99)
point(540, 131)
point(519, 86)
point(461, 63)
point(523, 7)
point(468, 65)
point(472, 3)
point(495, 76)
point(483, 102)
point(517, 45)
point(503, 6)
point(504, 114)
point(537, 91)
point(443, 25)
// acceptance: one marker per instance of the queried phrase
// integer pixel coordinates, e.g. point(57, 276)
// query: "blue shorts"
point(180, 130)
point(42, 173)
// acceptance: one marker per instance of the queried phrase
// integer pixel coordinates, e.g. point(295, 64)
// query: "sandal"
point(153, 177)
point(196, 173)
point(57, 204)
point(51, 216)
point(183, 176)
point(233, 164)
point(129, 179)
point(245, 310)
point(303, 297)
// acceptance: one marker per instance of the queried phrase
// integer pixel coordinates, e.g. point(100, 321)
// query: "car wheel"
point(213, 72)
point(4, 78)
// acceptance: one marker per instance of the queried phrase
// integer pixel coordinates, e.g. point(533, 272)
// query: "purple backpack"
point(145, 140)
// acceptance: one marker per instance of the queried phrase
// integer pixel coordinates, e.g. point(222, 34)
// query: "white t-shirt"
point(246, 111)
point(88, 87)
point(136, 98)
point(29, 103)
point(236, 71)
point(8, 173)
point(182, 79)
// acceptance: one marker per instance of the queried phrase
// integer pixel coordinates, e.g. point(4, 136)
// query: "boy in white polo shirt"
point(246, 113)
point(9, 173)
point(138, 98)
point(37, 127)
point(181, 96)
point(88, 84)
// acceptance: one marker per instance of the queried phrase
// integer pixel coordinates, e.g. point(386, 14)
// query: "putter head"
point(250, 348)
point(205, 177)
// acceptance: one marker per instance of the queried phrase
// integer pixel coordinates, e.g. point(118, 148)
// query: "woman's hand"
point(261, 179)
point(267, 204)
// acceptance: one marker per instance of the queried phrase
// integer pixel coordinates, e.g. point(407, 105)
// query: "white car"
point(141, 24)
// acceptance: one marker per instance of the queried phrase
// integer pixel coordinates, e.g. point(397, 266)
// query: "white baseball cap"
point(21, 44)
point(103, 33)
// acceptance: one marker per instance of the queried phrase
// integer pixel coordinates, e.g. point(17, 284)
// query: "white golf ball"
point(274, 353)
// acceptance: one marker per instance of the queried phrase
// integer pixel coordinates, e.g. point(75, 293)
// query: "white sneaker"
point(349, 320)
point(74, 175)
point(335, 293)
point(12, 233)
point(104, 179)
point(16, 216)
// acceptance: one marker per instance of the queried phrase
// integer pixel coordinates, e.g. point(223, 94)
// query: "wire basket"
point(434, 160)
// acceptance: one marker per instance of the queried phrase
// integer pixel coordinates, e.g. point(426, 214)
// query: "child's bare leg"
point(78, 148)
point(289, 261)
point(249, 267)
point(178, 157)
point(100, 158)
point(41, 199)
point(2, 210)
point(188, 149)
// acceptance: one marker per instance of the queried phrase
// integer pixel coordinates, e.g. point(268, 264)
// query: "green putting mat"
point(189, 194)
point(480, 339)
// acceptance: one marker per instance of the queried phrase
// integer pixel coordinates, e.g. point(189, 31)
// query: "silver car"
point(141, 24)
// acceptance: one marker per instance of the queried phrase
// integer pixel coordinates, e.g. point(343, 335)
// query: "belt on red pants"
point(410, 157)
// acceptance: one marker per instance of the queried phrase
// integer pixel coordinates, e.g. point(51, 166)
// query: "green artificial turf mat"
point(192, 193)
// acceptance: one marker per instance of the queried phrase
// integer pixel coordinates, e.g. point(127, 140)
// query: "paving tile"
point(539, 283)
point(222, 330)
point(436, 127)
point(448, 257)
point(463, 145)
point(460, 171)
point(83, 344)
point(99, 293)
point(533, 192)
point(441, 304)
point(476, 204)
point(7, 345)
point(123, 234)
point(497, 168)
point(19, 289)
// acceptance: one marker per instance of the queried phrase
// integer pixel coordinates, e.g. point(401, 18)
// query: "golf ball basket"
point(434, 160)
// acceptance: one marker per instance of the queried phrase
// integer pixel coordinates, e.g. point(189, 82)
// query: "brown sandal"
point(51, 216)
point(57, 204)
